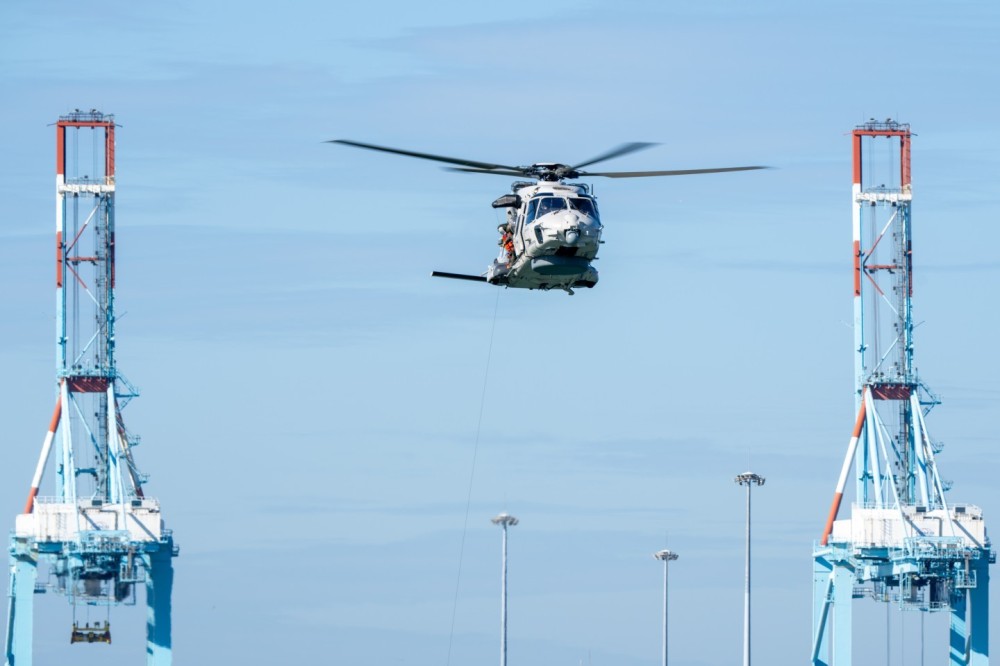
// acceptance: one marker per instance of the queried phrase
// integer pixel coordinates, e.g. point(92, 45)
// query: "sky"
point(329, 430)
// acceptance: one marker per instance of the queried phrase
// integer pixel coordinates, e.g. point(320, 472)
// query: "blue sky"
point(311, 397)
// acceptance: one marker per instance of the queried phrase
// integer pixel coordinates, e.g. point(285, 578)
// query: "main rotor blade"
point(675, 172)
point(423, 156)
point(623, 149)
point(497, 172)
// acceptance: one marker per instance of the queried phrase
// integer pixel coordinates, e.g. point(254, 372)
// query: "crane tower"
point(903, 543)
point(98, 536)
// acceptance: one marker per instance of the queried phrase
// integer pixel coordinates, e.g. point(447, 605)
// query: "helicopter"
point(553, 229)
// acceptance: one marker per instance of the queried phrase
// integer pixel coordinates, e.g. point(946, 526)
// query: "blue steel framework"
point(98, 537)
point(903, 543)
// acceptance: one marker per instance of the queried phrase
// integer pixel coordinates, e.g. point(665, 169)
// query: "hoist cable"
point(472, 475)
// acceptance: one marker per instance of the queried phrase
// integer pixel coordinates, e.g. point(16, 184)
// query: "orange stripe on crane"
point(857, 268)
point(54, 423)
point(29, 506)
point(838, 495)
point(59, 259)
point(44, 457)
point(834, 509)
point(60, 149)
point(857, 158)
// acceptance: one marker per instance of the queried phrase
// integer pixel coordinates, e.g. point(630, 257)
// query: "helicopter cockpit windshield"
point(585, 206)
point(544, 205)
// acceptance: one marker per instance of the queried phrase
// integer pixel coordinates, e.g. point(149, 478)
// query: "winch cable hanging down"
point(472, 476)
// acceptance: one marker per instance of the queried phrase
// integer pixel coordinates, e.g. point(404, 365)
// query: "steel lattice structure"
point(903, 543)
point(98, 537)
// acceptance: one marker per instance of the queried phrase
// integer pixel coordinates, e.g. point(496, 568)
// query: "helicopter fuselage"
point(555, 232)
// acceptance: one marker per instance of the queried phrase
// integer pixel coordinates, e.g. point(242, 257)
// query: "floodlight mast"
point(667, 556)
point(504, 520)
point(748, 479)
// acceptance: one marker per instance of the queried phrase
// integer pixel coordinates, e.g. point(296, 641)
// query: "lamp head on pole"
point(749, 479)
point(666, 555)
point(504, 519)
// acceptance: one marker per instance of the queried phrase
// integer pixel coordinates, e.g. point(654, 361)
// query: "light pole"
point(748, 479)
point(666, 556)
point(503, 520)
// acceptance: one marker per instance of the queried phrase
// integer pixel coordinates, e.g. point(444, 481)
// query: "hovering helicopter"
point(553, 230)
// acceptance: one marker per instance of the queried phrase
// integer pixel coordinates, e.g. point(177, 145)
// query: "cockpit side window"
point(585, 206)
point(532, 208)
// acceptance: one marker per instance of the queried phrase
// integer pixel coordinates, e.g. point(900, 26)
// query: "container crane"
point(904, 543)
point(98, 536)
